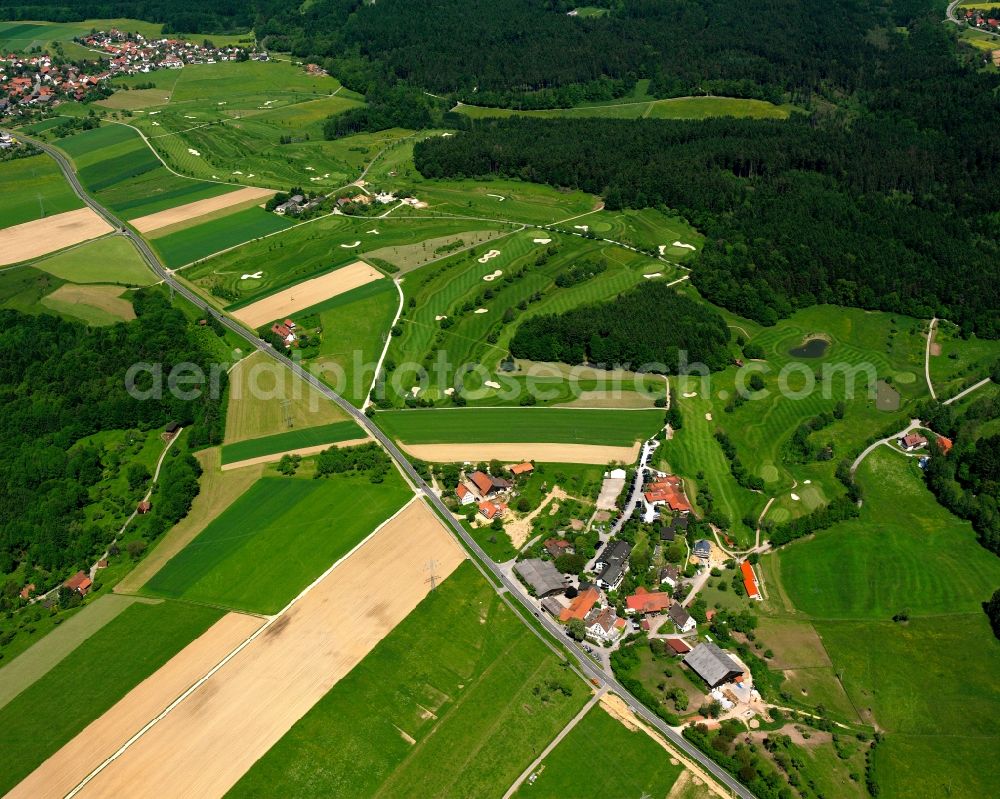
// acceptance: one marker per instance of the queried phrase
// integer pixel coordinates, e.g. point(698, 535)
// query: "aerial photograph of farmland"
point(496, 400)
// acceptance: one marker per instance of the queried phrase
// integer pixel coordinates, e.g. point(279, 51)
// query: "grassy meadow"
point(42, 191)
point(106, 666)
point(961, 362)
point(553, 425)
point(673, 108)
point(927, 681)
point(456, 701)
point(199, 241)
point(108, 260)
point(289, 440)
point(310, 522)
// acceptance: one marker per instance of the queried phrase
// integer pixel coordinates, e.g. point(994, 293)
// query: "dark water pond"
point(811, 348)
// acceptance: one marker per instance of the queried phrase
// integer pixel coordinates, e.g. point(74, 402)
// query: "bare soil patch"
point(548, 453)
point(519, 530)
point(33, 239)
point(210, 739)
point(105, 298)
point(309, 292)
point(62, 772)
point(184, 213)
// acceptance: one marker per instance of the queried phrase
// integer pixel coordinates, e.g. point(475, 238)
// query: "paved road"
point(927, 357)
point(969, 390)
point(585, 664)
point(913, 425)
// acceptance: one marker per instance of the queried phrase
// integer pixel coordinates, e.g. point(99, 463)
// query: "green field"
point(293, 439)
point(554, 425)
point(311, 249)
point(109, 260)
point(192, 243)
point(310, 523)
point(21, 36)
point(647, 229)
point(456, 701)
point(122, 172)
point(41, 191)
point(674, 108)
point(641, 766)
point(929, 682)
point(130, 647)
point(258, 123)
point(962, 362)
point(355, 325)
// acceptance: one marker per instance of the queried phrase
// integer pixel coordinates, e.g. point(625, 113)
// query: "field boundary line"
point(385, 349)
point(968, 390)
point(927, 357)
point(239, 648)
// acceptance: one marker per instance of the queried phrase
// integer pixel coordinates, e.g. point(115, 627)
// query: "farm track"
point(552, 633)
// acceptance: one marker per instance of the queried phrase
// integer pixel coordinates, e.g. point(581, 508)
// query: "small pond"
point(810, 348)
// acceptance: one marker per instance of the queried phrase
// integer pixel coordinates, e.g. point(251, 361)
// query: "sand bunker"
point(584, 228)
point(517, 452)
point(32, 239)
point(543, 241)
point(351, 246)
point(795, 497)
point(491, 384)
point(494, 276)
point(488, 256)
point(689, 394)
point(449, 391)
point(662, 248)
point(193, 152)
point(302, 295)
point(806, 482)
point(654, 274)
point(254, 276)
point(482, 310)
point(708, 416)
point(439, 317)
point(212, 737)
point(199, 208)
point(684, 246)
point(499, 197)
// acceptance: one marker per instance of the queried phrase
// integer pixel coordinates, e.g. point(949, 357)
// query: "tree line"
point(892, 208)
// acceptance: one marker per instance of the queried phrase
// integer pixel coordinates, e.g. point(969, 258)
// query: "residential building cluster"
point(982, 20)
point(36, 82)
point(132, 53)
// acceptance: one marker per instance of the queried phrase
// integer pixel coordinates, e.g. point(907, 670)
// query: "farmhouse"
point(171, 430)
point(678, 526)
point(581, 605)
point(613, 565)
point(465, 495)
point(604, 625)
point(79, 582)
point(712, 664)
point(944, 444)
point(144, 507)
point(553, 606)
point(646, 602)
point(750, 581)
point(292, 205)
point(912, 441)
point(703, 549)
point(522, 468)
point(681, 618)
point(678, 645)
point(487, 485)
point(284, 332)
point(541, 576)
point(668, 491)
point(492, 510)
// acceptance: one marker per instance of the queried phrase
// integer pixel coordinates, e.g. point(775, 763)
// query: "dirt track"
point(210, 739)
point(33, 239)
point(58, 775)
point(302, 295)
point(548, 453)
point(300, 451)
point(182, 213)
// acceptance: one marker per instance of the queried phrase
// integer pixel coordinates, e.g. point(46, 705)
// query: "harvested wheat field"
point(209, 739)
point(548, 453)
point(303, 451)
point(199, 208)
point(93, 303)
point(309, 292)
point(58, 775)
point(33, 239)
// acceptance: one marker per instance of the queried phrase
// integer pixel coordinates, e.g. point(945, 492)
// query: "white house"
point(681, 618)
point(604, 625)
point(465, 495)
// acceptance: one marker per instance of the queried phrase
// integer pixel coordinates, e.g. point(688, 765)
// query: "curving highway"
point(585, 664)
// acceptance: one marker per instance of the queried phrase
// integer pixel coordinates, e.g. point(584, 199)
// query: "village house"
point(667, 491)
point(580, 605)
point(713, 665)
point(646, 603)
point(944, 444)
point(912, 441)
point(553, 606)
point(465, 495)
point(681, 618)
point(557, 546)
point(144, 507)
point(670, 575)
point(27, 591)
point(703, 549)
point(492, 510)
point(284, 332)
point(604, 625)
point(541, 576)
point(522, 468)
point(677, 645)
point(612, 564)
point(79, 582)
point(678, 526)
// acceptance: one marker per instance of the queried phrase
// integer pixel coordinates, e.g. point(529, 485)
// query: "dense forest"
point(189, 16)
point(60, 382)
point(648, 325)
point(892, 208)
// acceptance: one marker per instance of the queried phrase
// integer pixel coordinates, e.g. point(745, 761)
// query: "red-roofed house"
point(27, 591)
point(750, 581)
point(465, 495)
point(912, 441)
point(492, 510)
point(79, 582)
point(945, 444)
point(487, 485)
point(581, 605)
point(678, 645)
point(604, 625)
point(670, 491)
point(646, 602)
point(522, 468)
point(557, 546)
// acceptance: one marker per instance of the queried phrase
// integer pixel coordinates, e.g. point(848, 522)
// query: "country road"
point(482, 560)
point(913, 425)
